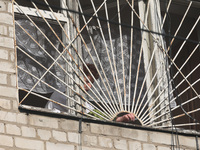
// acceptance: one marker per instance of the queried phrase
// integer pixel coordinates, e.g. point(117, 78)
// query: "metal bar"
point(185, 40)
point(56, 63)
point(52, 63)
point(96, 55)
point(95, 52)
point(146, 92)
point(150, 99)
point(131, 54)
point(122, 53)
point(60, 93)
point(141, 50)
point(164, 18)
point(85, 66)
point(118, 90)
point(49, 54)
point(175, 99)
point(176, 75)
point(80, 112)
point(143, 83)
point(166, 52)
point(183, 18)
point(114, 62)
point(178, 116)
point(178, 125)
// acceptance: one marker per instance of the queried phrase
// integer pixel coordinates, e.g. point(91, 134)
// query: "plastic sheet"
point(25, 42)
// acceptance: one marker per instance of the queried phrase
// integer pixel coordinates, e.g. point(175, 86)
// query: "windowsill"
point(46, 112)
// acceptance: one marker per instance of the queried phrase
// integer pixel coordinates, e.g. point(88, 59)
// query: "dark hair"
point(92, 69)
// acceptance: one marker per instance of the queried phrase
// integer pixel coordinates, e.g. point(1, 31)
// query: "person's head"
point(94, 72)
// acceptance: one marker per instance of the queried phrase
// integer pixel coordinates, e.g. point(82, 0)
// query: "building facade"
point(22, 128)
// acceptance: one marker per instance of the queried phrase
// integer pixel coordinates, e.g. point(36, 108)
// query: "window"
point(39, 41)
point(42, 52)
point(103, 59)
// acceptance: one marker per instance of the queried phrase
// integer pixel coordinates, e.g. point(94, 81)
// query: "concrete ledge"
point(45, 112)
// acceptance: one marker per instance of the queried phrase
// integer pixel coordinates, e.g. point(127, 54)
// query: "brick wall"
point(20, 130)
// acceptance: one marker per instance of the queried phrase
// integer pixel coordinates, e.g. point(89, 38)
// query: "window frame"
point(20, 12)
